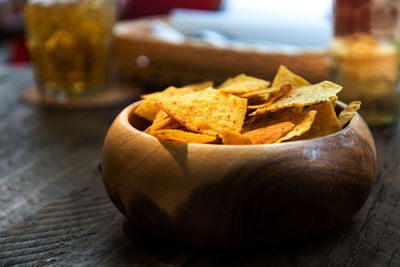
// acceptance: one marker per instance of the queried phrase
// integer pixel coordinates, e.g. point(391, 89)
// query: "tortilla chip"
point(242, 84)
point(325, 121)
point(303, 96)
point(301, 128)
point(283, 90)
point(270, 134)
point(148, 110)
point(183, 136)
point(167, 123)
point(266, 91)
point(284, 75)
point(348, 113)
point(293, 115)
point(234, 138)
point(160, 116)
point(199, 86)
point(207, 111)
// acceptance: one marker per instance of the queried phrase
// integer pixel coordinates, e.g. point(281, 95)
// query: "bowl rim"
point(124, 118)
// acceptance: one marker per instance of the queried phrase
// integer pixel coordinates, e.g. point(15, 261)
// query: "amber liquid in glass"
point(69, 44)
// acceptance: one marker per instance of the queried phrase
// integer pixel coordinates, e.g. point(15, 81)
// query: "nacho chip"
point(284, 75)
point(167, 123)
point(348, 113)
point(266, 91)
point(303, 96)
point(148, 110)
point(160, 116)
point(270, 134)
point(234, 138)
point(293, 115)
point(207, 111)
point(325, 121)
point(242, 84)
point(301, 128)
point(283, 90)
point(199, 86)
point(183, 136)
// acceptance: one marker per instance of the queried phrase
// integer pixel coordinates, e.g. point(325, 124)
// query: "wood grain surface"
point(54, 210)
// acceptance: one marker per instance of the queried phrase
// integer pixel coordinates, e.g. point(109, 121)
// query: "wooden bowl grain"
point(230, 196)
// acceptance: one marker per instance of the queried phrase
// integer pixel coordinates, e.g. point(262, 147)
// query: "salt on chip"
point(303, 96)
point(183, 136)
point(147, 108)
point(301, 128)
point(234, 138)
point(348, 113)
point(284, 75)
point(167, 123)
point(208, 111)
point(242, 84)
point(325, 121)
point(270, 134)
point(199, 86)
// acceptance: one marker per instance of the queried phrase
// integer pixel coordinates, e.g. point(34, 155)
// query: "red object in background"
point(18, 52)
point(140, 8)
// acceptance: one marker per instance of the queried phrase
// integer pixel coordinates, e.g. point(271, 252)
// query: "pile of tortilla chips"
point(245, 110)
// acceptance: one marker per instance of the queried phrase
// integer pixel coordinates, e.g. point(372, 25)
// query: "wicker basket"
point(156, 64)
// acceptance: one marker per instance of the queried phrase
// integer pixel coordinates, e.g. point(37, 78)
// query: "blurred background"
point(280, 14)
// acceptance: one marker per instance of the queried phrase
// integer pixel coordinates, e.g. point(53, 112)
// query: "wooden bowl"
point(224, 196)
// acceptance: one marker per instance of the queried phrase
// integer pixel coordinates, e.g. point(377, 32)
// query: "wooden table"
point(54, 210)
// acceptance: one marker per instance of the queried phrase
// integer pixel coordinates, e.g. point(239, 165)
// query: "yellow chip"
point(348, 113)
point(264, 92)
point(167, 123)
point(283, 90)
point(303, 96)
point(286, 76)
point(325, 121)
point(269, 134)
point(148, 110)
point(199, 86)
point(301, 128)
point(292, 115)
point(160, 116)
point(207, 111)
point(242, 84)
point(183, 136)
point(234, 138)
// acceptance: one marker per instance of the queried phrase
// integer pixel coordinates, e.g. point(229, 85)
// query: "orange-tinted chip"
point(183, 136)
point(167, 123)
point(234, 138)
point(270, 134)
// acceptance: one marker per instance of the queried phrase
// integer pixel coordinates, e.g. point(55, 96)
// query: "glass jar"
point(69, 44)
point(365, 57)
